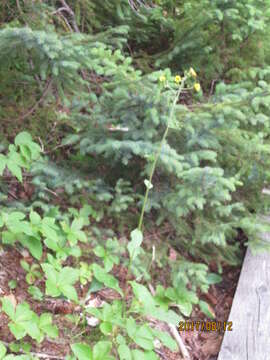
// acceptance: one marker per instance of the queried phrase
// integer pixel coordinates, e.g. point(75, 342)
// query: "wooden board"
point(250, 313)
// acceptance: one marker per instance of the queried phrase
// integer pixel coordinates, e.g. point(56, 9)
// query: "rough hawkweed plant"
point(148, 182)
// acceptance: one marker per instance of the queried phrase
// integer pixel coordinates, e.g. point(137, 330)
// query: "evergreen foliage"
point(111, 109)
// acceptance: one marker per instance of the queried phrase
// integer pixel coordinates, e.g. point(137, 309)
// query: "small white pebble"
point(157, 344)
point(92, 321)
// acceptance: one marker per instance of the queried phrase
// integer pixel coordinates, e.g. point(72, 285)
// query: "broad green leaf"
point(70, 139)
point(213, 278)
point(75, 251)
point(143, 295)
point(131, 327)
point(15, 216)
point(101, 350)
point(3, 350)
point(25, 151)
point(24, 313)
point(120, 339)
point(95, 286)
point(77, 224)
point(143, 355)
point(22, 227)
point(35, 150)
point(52, 244)
point(35, 247)
point(106, 328)
point(35, 292)
point(8, 307)
point(82, 351)
point(17, 158)
point(124, 352)
point(19, 357)
point(108, 263)
point(15, 170)
point(205, 309)
point(135, 243)
point(8, 238)
point(50, 272)
point(108, 280)
point(166, 339)
point(51, 330)
point(99, 251)
point(81, 236)
point(25, 265)
point(17, 330)
point(68, 275)
point(52, 289)
point(185, 295)
point(69, 291)
point(49, 228)
point(3, 162)
point(12, 284)
point(144, 337)
point(185, 307)
point(23, 138)
point(34, 217)
point(33, 330)
point(45, 319)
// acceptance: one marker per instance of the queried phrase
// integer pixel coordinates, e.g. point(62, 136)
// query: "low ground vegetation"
point(134, 150)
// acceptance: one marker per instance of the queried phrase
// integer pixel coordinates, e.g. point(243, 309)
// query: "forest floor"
point(201, 345)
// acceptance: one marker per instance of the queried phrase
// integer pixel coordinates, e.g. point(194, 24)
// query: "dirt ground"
point(201, 345)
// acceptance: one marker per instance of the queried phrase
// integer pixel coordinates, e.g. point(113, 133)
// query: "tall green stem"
point(157, 154)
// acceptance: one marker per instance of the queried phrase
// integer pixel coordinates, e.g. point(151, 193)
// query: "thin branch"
point(68, 9)
point(51, 192)
point(152, 236)
point(33, 68)
point(65, 7)
point(212, 87)
point(12, 195)
point(58, 10)
point(161, 354)
point(41, 144)
point(19, 7)
point(21, 12)
point(33, 108)
point(66, 22)
point(179, 341)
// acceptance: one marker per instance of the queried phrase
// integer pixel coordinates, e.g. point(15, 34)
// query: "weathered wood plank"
point(250, 313)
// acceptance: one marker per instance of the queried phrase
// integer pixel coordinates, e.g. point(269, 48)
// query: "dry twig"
point(68, 9)
point(175, 334)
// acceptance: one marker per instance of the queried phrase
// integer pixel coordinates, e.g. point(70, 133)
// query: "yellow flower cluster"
point(197, 87)
point(178, 79)
point(162, 78)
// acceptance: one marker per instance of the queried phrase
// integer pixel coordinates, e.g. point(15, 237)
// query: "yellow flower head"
point(197, 87)
point(162, 78)
point(192, 72)
point(178, 79)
